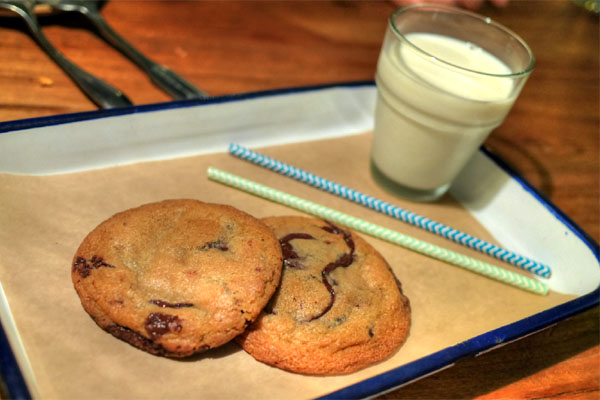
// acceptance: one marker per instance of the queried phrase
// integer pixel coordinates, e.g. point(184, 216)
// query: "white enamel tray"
point(488, 189)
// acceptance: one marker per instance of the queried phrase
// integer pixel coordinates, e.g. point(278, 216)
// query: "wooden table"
point(551, 136)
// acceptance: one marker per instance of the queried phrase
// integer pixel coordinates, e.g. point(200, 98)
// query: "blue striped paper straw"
point(393, 211)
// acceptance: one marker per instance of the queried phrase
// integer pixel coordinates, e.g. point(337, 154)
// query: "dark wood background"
point(551, 136)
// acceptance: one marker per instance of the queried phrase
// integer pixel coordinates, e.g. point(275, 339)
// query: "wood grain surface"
point(551, 136)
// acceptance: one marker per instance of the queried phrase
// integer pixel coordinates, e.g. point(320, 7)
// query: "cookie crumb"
point(45, 81)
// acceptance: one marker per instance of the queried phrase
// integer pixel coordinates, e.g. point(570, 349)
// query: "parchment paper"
point(44, 219)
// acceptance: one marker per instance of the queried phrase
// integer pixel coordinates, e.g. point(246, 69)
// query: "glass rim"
point(481, 18)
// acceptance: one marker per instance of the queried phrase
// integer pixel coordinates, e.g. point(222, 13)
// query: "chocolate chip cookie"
point(177, 277)
point(339, 307)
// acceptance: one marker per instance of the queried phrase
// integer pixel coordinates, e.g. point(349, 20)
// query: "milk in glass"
point(435, 107)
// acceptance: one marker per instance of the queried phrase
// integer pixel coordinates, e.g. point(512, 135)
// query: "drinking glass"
point(446, 77)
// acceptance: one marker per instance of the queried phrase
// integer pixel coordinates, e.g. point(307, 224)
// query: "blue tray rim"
point(39, 122)
point(436, 361)
point(17, 387)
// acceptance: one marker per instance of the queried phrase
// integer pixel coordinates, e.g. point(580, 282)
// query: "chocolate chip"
point(157, 324)
point(84, 267)
point(344, 261)
point(136, 339)
point(290, 258)
point(165, 304)
point(217, 244)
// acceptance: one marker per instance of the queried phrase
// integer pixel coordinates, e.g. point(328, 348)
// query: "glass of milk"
point(445, 79)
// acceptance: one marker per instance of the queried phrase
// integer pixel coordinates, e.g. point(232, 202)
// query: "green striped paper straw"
point(377, 231)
